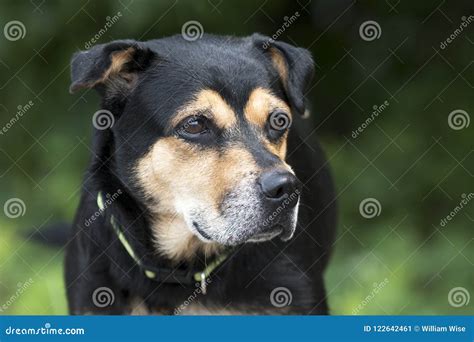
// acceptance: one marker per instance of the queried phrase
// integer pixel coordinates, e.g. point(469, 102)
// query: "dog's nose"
point(278, 185)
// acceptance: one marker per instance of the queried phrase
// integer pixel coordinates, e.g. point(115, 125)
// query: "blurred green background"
point(408, 158)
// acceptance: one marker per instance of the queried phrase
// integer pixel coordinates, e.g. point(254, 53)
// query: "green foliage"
point(418, 177)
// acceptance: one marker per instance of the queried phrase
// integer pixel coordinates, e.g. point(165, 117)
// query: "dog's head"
point(201, 130)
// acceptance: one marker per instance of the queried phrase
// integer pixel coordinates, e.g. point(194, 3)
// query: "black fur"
point(169, 70)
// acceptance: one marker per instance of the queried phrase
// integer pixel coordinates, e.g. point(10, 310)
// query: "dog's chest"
point(199, 309)
point(139, 308)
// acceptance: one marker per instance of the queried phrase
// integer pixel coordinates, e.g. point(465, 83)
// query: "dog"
point(201, 197)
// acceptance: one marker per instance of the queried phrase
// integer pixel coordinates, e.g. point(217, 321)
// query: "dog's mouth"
point(201, 233)
point(242, 217)
point(261, 237)
point(266, 235)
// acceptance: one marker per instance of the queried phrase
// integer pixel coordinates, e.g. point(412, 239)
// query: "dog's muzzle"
point(261, 207)
point(281, 191)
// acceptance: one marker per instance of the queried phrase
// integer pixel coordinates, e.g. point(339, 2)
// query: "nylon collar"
point(161, 274)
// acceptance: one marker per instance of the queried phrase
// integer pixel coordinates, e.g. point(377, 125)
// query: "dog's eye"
point(278, 123)
point(193, 126)
point(279, 120)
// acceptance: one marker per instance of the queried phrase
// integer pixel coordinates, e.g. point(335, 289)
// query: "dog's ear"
point(113, 66)
point(295, 68)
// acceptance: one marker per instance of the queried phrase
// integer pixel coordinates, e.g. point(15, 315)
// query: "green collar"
point(161, 274)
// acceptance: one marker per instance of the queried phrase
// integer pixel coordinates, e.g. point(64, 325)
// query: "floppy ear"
point(113, 66)
point(295, 68)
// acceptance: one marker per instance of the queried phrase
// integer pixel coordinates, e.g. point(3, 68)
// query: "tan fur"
point(201, 310)
point(260, 105)
point(175, 170)
point(277, 149)
point(177, 242)
point(119, 59)
point(209, 103)
point(280, 65)
point(138, 308)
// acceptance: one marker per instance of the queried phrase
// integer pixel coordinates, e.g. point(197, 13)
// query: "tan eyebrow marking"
point(260, 104)
point(211, 102)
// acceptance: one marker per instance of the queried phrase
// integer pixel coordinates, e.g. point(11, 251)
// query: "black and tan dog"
point(199, 198)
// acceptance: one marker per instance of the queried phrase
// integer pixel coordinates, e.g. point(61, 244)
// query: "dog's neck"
point(174, 240)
